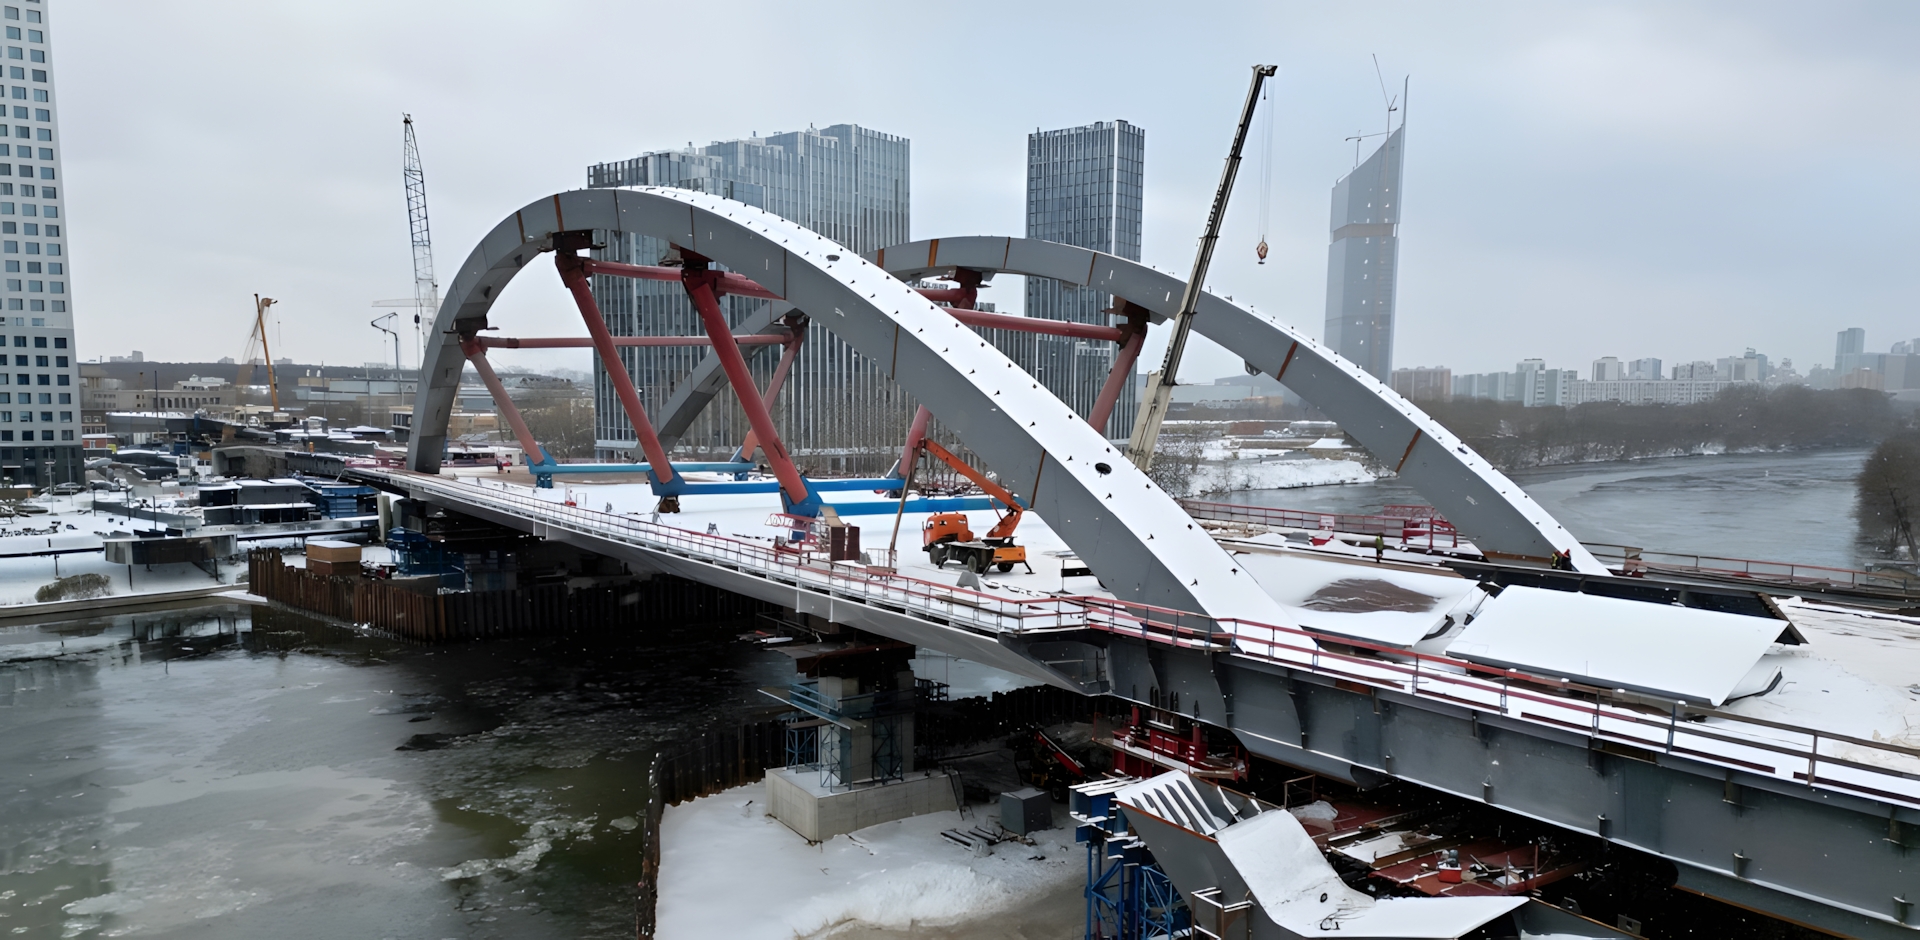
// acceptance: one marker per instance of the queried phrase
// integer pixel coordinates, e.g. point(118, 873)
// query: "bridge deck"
point(1843, 717)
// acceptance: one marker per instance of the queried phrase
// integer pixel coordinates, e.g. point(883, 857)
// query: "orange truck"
point(947, 536)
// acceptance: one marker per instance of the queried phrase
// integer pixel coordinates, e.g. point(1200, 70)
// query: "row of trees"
point(1887, 502)
point(1744, 417)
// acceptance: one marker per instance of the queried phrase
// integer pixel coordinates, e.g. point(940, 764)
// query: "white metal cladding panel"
point(1684, 652)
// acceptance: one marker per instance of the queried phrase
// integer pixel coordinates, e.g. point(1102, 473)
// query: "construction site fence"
point(409, 613)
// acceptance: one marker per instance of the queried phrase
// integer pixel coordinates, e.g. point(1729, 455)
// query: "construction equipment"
point(1153, 406)
point(948, 535)
point(258, 340)
point(426, 290)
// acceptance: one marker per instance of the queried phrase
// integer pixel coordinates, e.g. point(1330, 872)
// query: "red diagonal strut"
point(573, 274)
point(792, 352)
point(477, 355)
point(1132, 335)
point(700, 285)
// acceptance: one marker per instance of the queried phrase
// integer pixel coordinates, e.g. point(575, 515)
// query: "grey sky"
point(1665, 179)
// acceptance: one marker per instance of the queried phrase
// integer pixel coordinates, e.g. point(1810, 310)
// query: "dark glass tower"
point(1364, 260)
point(1084, 188)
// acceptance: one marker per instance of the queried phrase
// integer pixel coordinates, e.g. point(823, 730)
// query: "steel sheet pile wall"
point(719, 760)
point(411, 614)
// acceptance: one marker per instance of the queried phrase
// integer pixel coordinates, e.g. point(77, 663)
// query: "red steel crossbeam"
point(573, 342)
point(1134, 334)
point(727, 283)
point(792, 352)
point(573, 274)
point(701, 285)
point(477, 355)
point(1007, 321)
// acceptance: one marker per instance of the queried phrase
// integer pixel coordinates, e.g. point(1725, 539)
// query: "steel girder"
point(1141, 543)
point(1489, 508)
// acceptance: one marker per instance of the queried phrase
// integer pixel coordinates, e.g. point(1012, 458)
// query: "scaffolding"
point(1128, 896)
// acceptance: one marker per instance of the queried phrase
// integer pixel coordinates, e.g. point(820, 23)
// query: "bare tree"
point(1887, 500)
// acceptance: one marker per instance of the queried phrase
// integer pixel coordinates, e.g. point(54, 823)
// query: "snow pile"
point(1234, 475)
point(898, 875)
point(929, 894)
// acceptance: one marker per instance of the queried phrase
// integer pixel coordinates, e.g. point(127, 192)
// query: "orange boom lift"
point(946, 535)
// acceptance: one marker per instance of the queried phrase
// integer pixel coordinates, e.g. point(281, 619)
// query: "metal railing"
point(990, 613)
point(1876, 769)
point(1405, 523)
point(1863, 767)
point(1631, 560)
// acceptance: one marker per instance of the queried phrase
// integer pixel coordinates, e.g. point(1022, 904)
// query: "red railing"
point(1813, 757)
point(1410, 525)
point(1633, 562)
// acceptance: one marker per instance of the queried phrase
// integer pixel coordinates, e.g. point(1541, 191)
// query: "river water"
point(233, 772)
point(1773, 507)
point(236, 772)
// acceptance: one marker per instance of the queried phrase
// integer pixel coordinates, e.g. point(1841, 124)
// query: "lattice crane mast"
point(426, 290)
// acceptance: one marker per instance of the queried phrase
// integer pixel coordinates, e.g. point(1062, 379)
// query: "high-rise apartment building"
point(1085, 187)
point(1364, 260)
point(1848, 346)
point(39, 384)
point(838, 410)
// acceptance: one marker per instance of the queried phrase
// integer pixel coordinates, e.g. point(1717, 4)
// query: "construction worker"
point(1379, 548)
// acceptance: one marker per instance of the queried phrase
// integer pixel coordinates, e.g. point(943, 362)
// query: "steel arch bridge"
point(1125, 527)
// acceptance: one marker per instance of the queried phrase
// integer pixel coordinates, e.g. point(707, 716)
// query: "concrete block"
point(795, 797)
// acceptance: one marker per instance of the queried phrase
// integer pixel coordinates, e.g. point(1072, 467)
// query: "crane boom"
point(426, 290)
point(1153, 409)
point(1002, 529)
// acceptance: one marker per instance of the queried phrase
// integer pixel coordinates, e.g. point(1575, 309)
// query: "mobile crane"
point(947, 535)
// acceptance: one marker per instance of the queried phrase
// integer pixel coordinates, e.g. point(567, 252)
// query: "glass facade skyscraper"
point(1364, 260)
point(1085, 186)
point(838, 410)
point(39, 372)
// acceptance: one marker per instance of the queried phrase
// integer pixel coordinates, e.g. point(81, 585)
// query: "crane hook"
point(1261, 250)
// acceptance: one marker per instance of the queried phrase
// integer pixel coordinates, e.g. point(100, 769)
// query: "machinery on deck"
point(948, 535)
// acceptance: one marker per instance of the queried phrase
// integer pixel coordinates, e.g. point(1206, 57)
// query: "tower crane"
point(426, 290)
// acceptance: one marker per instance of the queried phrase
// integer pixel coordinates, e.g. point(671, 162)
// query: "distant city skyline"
point(1587, 120)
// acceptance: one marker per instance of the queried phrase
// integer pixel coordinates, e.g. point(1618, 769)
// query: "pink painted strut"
point(478, 357)
point(748, 446)
point(573, 342)
point(699, 286)
point(726, 284)
point(1117, 379)
point(572, 274)
point(916, 433)
point(1007, 321)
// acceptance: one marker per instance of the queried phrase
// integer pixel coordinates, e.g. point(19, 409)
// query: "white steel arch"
point(1144, 547)
point(1488, 507)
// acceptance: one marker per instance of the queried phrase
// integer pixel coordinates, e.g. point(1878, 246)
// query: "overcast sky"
point(1654, 179)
